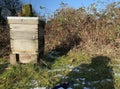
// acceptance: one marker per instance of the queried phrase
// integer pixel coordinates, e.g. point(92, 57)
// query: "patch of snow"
point(86, 88)
point(52, 56)
point(61, 88)
point(58, 75)
point(40, 88)
point(91, 69)
point(34, 82)
point(76, 70)
point(69, 66)
point(69, 88)
point(94, 82)
point(83, 79)
point(89, 83)
point(83, 82)
point(65, 77)
point(61, 76)
point(70, 69)
point(78, 79)
point(117, 74)
point(54, 52)
point(107, 80)
point(76, 85)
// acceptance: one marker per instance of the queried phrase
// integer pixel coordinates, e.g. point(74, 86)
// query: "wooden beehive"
point(27, 38)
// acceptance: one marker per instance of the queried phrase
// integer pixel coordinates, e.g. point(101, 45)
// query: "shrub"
point(95, 29)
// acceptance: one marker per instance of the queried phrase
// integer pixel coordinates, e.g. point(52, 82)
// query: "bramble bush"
point(97, 31)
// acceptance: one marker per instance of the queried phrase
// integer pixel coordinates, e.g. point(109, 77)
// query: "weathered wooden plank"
point(23, 20)
point(22, 46)
point(28, 58)
point(23, 27)
point(27, 28)
point(24, 35)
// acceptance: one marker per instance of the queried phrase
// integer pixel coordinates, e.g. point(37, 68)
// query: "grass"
point(82, 70)
point(94, 33)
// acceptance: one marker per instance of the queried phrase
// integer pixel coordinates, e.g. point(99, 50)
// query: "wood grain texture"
point(31, 35)
point(28, 58)
point(23, 20)
point(21, 46)
point(23, 27)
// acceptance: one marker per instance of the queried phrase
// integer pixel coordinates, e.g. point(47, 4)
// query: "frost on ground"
point(81, 75)
point(53, 54)
point(40, 88)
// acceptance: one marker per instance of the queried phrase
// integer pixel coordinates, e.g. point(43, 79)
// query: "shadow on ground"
point(96, 75)
point(3, 67)
point(71, 41)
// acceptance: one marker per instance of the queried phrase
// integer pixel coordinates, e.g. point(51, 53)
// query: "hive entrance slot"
point(17, 58)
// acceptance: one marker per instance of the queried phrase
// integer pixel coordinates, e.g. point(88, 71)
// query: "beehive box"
point(26, 38)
